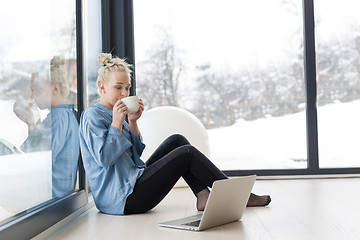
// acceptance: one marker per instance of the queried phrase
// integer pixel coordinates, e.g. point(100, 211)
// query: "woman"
point(111, 148)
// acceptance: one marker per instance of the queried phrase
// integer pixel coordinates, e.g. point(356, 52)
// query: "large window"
point(338, 81)
point(39, 145)
point(236, 65)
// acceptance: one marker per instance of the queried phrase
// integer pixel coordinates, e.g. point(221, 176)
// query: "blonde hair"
point(108, 64)
point(57, 75)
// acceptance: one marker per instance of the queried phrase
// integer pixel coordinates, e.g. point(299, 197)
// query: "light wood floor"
point(301, 209)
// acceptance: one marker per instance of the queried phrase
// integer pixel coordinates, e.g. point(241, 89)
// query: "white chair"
point(159, 123)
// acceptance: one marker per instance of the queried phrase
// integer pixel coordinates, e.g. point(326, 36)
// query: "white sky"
point(27, 27)
point(212, 31)
point(232, 32)
point(336, 18)
point(209, 31)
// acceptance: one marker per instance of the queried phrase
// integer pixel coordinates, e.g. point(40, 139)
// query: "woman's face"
point(115, 88)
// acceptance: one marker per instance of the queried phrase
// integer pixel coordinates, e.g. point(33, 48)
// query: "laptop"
point(226, 203)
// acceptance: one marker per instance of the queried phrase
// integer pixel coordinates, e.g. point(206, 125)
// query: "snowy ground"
point(280, 142)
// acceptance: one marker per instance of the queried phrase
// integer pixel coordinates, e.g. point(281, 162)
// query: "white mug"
point(132, 103)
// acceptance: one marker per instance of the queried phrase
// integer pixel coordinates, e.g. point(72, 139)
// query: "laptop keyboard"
point(193, 224)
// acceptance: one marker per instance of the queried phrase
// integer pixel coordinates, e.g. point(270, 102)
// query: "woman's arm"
point(134, 129)
point(105, 143)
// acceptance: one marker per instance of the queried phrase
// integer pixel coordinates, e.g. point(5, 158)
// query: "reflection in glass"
point(59, 130)
point(38, 127)
point(238, 66)
point(338, 82)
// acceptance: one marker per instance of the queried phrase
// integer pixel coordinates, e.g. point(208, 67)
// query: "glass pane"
point(39, 145)
point(94, 45)
point(338, 82)
point(237, 66)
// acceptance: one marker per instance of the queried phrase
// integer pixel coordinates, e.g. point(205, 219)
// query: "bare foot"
point(258, 201)
point(202, 198)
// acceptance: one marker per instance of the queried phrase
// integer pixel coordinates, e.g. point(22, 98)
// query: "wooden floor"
point(301, 209)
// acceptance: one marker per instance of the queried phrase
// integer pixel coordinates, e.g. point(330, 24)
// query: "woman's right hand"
point(119, 114)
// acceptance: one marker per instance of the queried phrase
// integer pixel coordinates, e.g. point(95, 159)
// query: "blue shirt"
point(111, 158)
point(59, 132)
point(65, 148)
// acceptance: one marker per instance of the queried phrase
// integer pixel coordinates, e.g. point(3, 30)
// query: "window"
point(338, 82)
point(38, 104)
point(237, 66)
point(39, 144)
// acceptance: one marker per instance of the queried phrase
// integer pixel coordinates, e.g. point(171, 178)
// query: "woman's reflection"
point(59, 130)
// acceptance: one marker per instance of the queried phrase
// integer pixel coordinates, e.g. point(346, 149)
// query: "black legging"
point(173, 159)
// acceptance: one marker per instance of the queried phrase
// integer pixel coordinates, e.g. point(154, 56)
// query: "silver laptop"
point(226, 204)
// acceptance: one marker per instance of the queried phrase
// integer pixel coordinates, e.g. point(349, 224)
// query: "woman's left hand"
point(135, 116)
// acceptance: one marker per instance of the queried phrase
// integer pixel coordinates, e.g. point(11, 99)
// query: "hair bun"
point(104, 58)
point(57, 61)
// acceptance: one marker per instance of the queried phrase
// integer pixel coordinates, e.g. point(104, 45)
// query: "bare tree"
point(158, 76)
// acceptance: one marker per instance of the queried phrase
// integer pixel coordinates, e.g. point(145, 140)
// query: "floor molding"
point(63, 224)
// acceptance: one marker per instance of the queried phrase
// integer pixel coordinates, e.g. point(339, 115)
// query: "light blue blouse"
point(65, 149)
point(111, 158)
point(59, 132)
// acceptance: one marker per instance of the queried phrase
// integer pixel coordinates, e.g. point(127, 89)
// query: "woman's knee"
point(179, 138)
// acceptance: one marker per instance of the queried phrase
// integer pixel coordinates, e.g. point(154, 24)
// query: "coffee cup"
point(132, 103)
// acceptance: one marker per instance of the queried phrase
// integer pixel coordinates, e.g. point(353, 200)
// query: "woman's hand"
point(27, 111)
point(119, 114)
point(135, 116)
